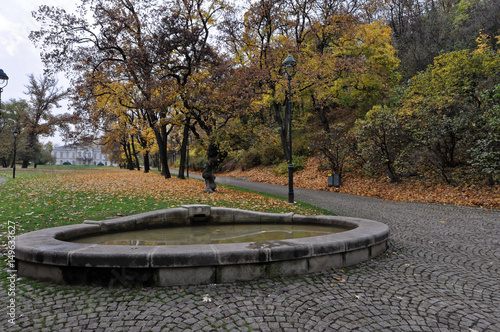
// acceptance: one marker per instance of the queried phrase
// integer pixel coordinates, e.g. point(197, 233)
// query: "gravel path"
point(442, 273)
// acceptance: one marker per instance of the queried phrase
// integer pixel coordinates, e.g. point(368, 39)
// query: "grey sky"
point(18, 56)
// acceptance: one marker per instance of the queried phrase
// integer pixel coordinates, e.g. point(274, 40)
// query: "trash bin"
point(334, 180)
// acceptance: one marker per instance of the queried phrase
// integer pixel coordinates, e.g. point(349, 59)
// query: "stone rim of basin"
point(51, 249)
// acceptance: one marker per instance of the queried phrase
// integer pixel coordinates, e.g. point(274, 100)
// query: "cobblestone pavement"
point(442, 273)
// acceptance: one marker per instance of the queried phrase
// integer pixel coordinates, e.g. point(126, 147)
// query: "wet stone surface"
point(441, 273)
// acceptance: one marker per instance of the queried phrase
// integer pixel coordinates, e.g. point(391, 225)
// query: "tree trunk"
point(134, 153)
point(128, 156)
point(165, 171)
point(185, 140)
point(158, 163)
point(208, 170)
point(146, 162)
point(283, 129)
point(25, 164)
point(321, 111)
point(144, 145)
point(161, 139)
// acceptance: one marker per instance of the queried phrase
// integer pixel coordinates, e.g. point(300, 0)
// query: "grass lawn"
point(48, 196)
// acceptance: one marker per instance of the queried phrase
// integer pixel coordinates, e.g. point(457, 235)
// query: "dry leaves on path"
point(409, 190)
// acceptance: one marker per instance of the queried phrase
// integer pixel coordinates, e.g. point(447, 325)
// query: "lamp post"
point(187, 158)
point(4, 80)
point(289, 66)
point(15, 133)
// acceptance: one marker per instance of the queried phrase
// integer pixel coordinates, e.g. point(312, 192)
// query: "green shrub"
point(271, 154)
point(250, 159)
point(197, 163)
point(299, 162)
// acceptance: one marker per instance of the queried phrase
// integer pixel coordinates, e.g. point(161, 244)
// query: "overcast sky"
point(18, 55)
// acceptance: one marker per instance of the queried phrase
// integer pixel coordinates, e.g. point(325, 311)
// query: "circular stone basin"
point(54, 255)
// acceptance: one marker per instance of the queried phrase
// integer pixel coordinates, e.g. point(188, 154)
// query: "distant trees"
point(32, 119)
point(139, 53)
point(425, 29)
point(392, 88)
point(10, 120)
point(38, 119)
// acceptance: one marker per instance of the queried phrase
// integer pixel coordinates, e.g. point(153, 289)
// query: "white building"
point(80, 155)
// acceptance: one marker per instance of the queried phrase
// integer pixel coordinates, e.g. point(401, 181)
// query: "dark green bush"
point(299, 162)
point(250, 159)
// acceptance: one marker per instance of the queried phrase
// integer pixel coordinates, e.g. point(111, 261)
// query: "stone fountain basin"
point(49, 254)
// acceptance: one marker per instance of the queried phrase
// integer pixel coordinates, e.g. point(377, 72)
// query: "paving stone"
point(434, 277)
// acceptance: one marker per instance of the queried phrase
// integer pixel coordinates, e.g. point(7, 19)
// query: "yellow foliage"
point(482, 43)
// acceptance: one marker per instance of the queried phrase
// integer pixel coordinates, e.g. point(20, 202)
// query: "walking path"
point(442, 273)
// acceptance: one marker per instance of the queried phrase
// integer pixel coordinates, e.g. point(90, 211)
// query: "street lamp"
point(4, 80)
point(289, 66)
point(15, 133)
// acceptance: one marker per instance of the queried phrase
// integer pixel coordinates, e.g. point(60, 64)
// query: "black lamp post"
point(289, 66)
point(15, 133)
point(4, 80)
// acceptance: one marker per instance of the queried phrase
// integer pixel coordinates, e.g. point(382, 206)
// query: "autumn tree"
point(258, 45)
point(381, 141)
point(355, 71)
point(38, 120)
point(14, 110)
point(186, 36)
point(336, 146)
point(214, 99)
point(114, 51)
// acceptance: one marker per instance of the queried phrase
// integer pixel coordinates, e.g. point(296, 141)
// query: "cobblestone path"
point(442, 273)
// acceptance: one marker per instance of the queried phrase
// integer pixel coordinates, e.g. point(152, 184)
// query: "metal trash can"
point(334, 180)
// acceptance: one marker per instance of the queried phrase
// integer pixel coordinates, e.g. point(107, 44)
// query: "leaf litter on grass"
point(45, 199)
